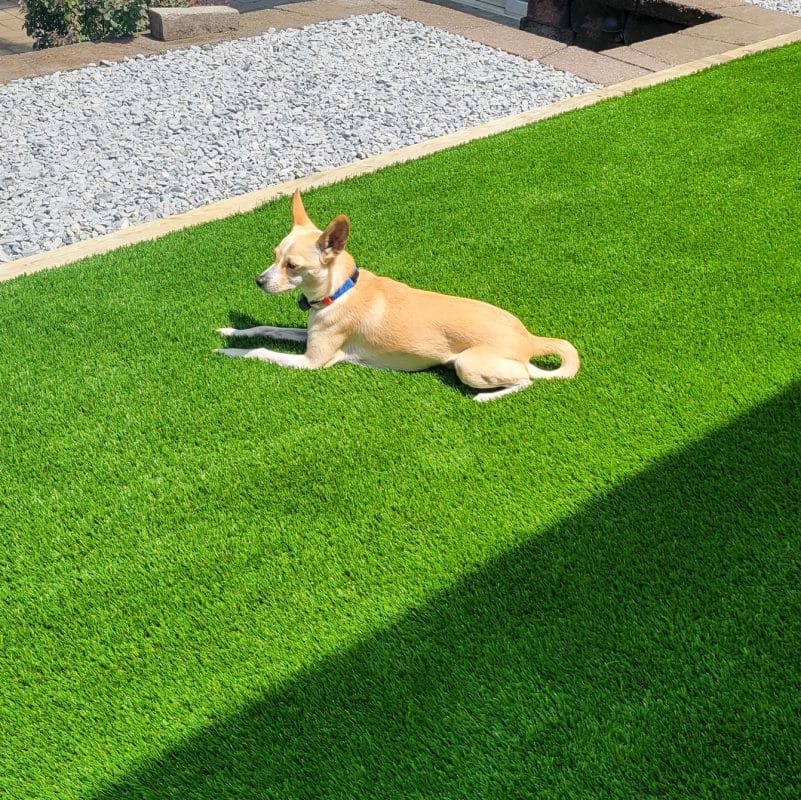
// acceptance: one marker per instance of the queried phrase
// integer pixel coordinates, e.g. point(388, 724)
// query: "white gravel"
point(97, 149)
point(787, 6)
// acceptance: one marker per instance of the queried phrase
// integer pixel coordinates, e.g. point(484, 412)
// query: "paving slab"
point(318, 11)
point(632, 56)
point(733, 31)
point(13, 39)
point(715, 5)
point(502, 37)
point(679, 48)
point(438, 16)
point(683, 13)
point(519, 43)
point(773, 21)
point(10, 16)
point(14, 49)
point(595, 67)
point(397, 6)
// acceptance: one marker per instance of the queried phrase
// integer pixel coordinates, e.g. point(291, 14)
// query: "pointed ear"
point(333, 238)
point(299, 215)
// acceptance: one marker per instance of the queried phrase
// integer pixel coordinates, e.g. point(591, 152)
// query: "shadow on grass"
point(645, 647)
point(241, 321)
point(447, 375)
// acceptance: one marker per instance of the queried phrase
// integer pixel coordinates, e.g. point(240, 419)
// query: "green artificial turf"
point(224, 579)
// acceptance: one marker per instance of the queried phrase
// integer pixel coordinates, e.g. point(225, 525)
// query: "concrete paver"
point(632, 56)
point(715, 5)
point(773, 21)
point(733, 31)
point(595, 67)
point(518, 43)
point(13, 39)
point(679, 48)
point(442, 17)
point(502, 37)
point(319, 11)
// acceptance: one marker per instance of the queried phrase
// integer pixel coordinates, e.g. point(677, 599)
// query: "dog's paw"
point(226, 331)
point(234, 352)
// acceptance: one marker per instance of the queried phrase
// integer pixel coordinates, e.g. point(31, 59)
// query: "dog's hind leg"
point(482, 368)
point(283, 334)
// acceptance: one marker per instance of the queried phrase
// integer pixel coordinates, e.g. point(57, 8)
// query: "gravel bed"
point(98, 149)
point(787, 6)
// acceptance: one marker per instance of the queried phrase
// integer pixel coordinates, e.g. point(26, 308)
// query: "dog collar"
point(306, 304)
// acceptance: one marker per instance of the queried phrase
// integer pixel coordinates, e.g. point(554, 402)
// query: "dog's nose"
point(260, 279)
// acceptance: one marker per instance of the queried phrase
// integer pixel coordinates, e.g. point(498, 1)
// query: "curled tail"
point(542, 346)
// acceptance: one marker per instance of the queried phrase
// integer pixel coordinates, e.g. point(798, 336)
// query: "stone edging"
point(248, 202)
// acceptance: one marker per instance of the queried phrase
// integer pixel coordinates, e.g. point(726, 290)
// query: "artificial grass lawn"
point(223, 579)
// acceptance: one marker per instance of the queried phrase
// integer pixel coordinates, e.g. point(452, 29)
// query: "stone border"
point(173, 24)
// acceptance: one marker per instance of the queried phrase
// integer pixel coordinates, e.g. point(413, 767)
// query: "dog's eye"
point(290, 265)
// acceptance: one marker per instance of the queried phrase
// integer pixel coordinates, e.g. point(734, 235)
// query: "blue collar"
point(306, 304)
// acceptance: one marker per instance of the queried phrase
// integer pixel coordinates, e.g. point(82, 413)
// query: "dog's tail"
point(542, 346)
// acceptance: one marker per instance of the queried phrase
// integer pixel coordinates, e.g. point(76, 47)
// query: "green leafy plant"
point(57, 22)
point(103, 19)
point(51, 22)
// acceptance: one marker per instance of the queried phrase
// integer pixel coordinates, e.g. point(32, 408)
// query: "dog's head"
point(305, 256)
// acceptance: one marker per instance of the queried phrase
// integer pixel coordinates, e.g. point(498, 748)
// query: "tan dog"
point(358, 317)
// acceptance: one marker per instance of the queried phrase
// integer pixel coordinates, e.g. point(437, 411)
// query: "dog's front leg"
point(263, 354)
point(284, 334)
point(320, 353)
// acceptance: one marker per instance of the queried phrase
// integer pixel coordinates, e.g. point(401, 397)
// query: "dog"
point(361, 318)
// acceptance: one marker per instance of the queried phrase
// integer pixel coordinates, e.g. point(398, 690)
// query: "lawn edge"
point(250, 201)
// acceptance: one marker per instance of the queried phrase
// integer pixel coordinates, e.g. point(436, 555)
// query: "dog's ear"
point(333, 238)
point(299, 215)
